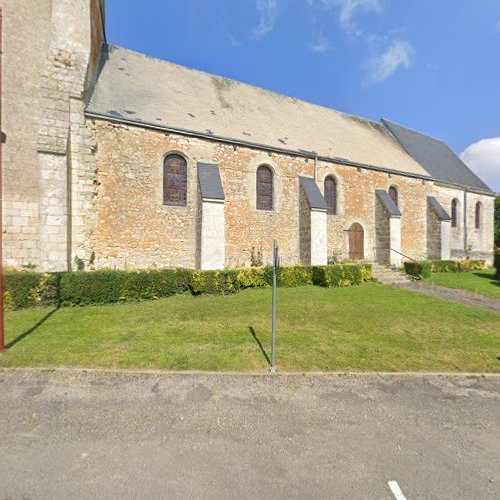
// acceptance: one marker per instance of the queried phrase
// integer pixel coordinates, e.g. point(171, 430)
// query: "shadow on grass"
point(39, 323)
point(490, 277)
point(259, 343)
point(12, 343)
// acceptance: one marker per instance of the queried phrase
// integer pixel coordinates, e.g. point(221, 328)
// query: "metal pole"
point(2, 339)
point(272, 368)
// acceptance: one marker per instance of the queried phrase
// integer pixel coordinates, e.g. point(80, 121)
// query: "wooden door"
point(356, 242)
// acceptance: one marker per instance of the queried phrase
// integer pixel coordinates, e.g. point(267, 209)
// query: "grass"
point(482, 282)
point(370, 327)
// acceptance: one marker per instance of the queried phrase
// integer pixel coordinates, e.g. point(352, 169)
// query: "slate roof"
point(210, 182)
point(440, 212)
point(312, 192)
point(388, 203)
point(148, 91)
point(436, 157)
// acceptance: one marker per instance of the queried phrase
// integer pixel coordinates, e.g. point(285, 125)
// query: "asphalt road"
point(71, 434)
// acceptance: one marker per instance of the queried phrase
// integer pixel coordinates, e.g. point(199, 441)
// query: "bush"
point(445, 266)
point(497, 263)
point(108, 286)
point(215, 282)
point(28, 289)
point(292, 276)
point(254, 277)
point(340, 275)
point(421, 269)
point(81, 288)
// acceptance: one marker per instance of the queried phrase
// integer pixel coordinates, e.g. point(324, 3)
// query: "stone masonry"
point(87, 188)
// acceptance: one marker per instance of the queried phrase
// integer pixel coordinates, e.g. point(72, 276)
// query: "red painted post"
point(2, 339)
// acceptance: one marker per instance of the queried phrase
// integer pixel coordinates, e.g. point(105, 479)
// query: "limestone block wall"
point(26, 37)
point(433, 234)
point(128, 226)
point(467, 241)
point(50, 48)
point(357, 203)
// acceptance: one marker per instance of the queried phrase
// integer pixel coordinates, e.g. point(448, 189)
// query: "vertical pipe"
point(272, 368)
point(465, 225)
point(2, 339)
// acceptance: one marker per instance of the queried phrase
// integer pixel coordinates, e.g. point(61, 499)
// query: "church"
point(114, 159)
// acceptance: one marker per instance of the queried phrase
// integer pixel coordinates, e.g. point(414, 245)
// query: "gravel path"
point(452, 294)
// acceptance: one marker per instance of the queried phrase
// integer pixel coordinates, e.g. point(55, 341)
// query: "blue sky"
point(432, 65)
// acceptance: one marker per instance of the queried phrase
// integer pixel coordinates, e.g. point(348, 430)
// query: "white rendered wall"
point(212, 235)
point(319, 241)
point(445, 239)
point(395, 238)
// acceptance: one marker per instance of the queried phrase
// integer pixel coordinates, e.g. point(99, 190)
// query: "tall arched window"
point(393, 193)
point(454, 212)
point(175, 180)
point(331, 195)
point(264, 188)
point(477, 216)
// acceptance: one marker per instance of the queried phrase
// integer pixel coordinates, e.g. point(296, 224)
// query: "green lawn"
point(482, 282)
point(370, 327)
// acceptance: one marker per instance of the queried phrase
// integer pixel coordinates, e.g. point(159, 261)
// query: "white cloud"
point(348, 8)
point(483, 157)
point(399, 54)
point(321, 45)
point(267, 10)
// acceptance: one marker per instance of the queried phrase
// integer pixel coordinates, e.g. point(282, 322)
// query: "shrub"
point(445, 266)
point(215, 282)
point(292, 276)
point(421, 269)
point(497, 263)
point(340, 275)
point(253, 277)
point(29, 289)
point(108, 286)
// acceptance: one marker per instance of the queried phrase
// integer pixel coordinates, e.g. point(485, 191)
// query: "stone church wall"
point(132, 228)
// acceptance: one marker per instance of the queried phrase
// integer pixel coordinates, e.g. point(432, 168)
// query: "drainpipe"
point(465, 225)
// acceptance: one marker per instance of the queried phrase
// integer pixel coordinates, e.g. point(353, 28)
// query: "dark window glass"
point(175, 181)
point(264, 188)
point(393, 193)
point(331, 195)
point(478, 215)
point(454, 213)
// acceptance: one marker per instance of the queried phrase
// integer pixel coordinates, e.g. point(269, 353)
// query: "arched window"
point(331, 195)
point(264, 188)
point(454, 213)
point(393, 193)
point(477, 216)
point(175, 180)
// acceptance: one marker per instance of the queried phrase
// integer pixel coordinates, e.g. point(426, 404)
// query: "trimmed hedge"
point(497, 263)
point(423, 268)
point(420, 269)
point(445, 266)
point(23, 289)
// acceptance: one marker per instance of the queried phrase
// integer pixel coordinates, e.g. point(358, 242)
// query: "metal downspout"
point(465, 225)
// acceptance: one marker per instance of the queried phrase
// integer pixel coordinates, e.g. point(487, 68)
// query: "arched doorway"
point(356, 242)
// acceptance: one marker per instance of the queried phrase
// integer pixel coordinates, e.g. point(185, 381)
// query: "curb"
point(198, 373)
